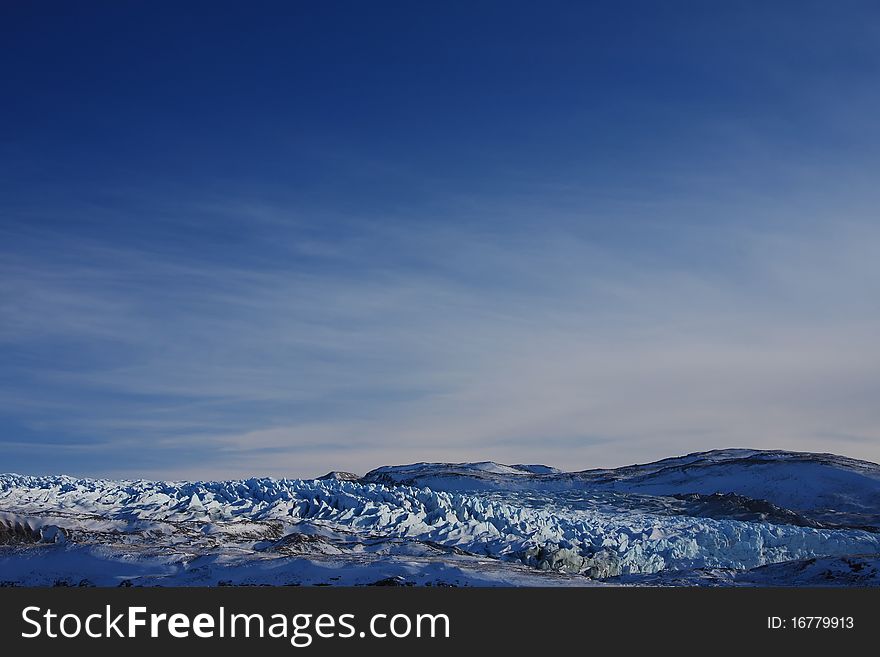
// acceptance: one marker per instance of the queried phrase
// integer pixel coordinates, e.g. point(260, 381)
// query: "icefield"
point(732, 517)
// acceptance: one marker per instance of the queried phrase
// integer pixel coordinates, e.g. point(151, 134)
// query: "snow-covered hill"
point(831, 488)
point(722, 512)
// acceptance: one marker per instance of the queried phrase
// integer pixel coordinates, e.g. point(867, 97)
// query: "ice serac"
point(17, 529)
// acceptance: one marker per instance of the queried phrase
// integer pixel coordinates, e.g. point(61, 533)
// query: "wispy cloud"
point(447, 342)
point(598, 238)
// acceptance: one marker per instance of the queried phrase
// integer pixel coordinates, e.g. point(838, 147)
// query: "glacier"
point(495, 524)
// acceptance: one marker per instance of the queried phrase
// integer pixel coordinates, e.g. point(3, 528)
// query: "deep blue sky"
point(280, 238)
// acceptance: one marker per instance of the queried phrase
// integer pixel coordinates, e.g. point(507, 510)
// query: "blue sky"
point(282, 238)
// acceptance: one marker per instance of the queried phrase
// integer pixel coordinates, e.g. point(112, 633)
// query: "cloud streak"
point(440, 340)
point(594, 239)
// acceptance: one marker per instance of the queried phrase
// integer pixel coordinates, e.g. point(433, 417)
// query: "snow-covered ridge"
point(589, 539)
point(792, 480)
